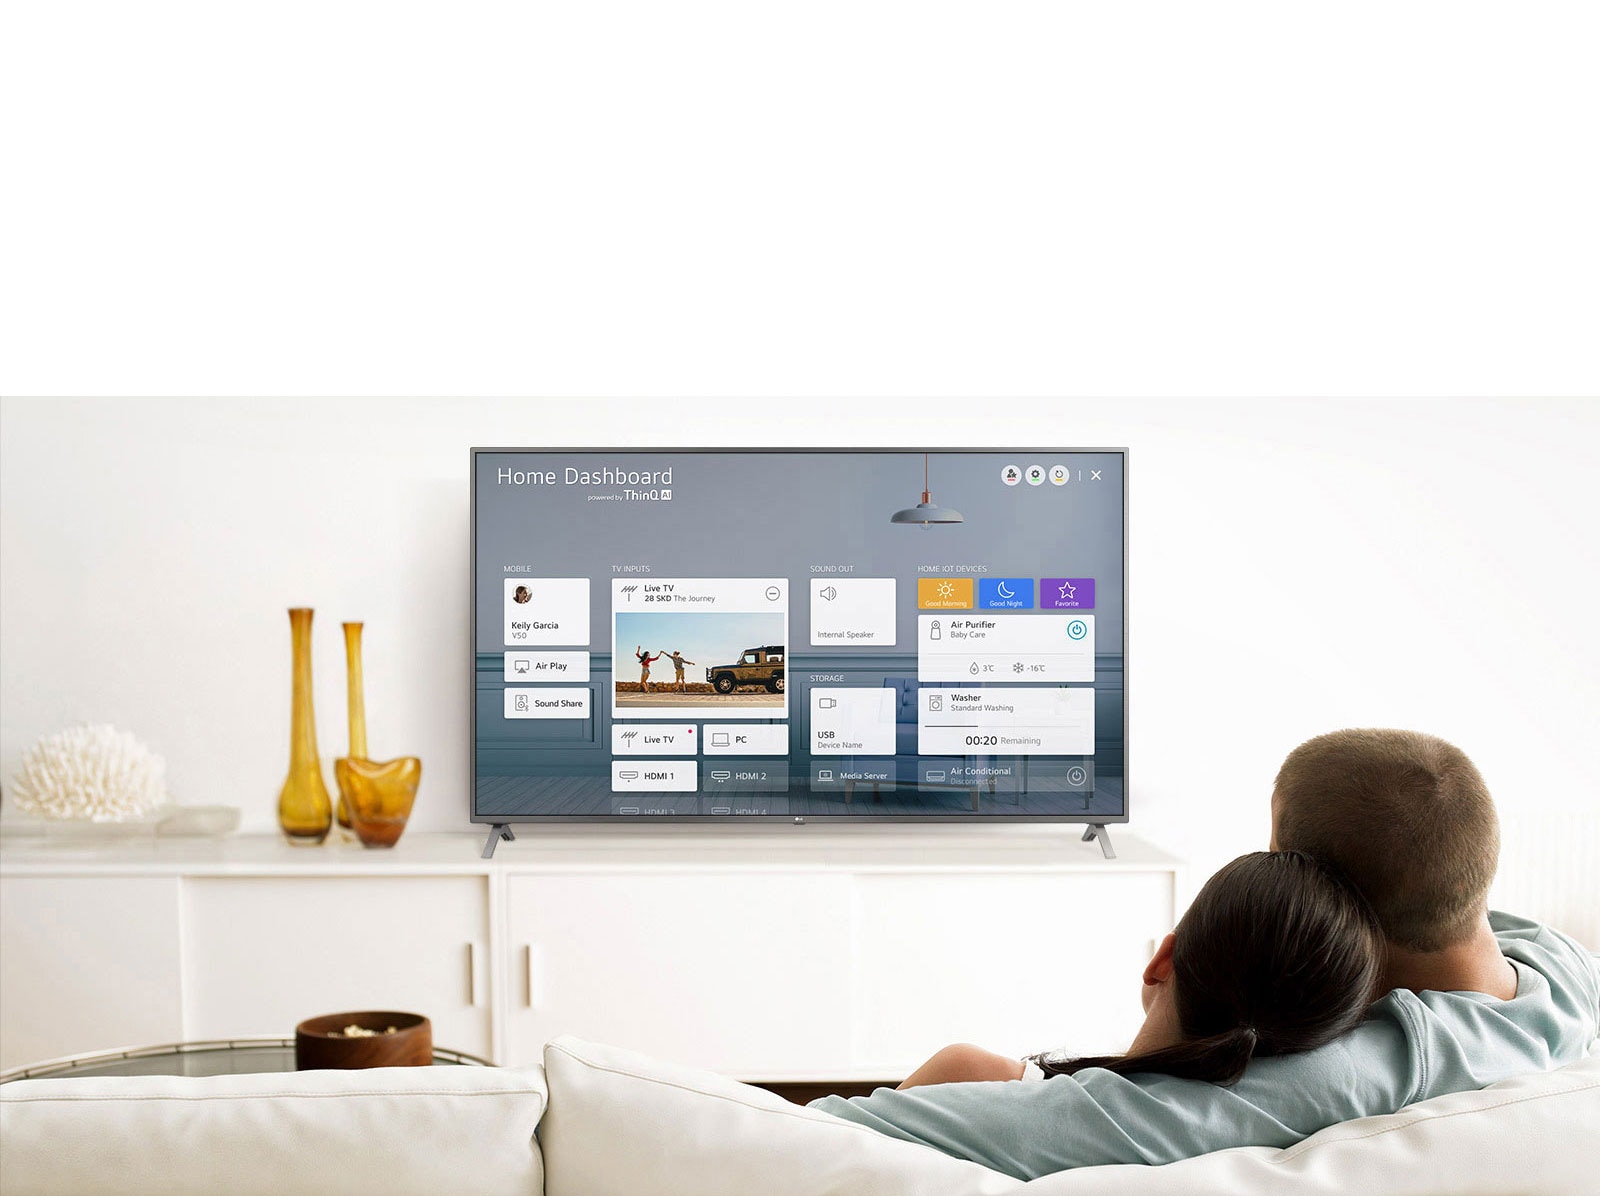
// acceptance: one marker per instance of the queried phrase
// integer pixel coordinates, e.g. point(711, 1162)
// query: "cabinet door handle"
point(535, 975)
point(472, 974)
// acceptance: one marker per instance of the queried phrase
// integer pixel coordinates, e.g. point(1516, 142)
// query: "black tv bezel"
point(992, 820)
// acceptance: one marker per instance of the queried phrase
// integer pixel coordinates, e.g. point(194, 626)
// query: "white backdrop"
point(1419, 564)
point(920, 197)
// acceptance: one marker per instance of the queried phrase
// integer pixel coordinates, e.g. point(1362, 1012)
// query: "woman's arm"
point(963, 1063)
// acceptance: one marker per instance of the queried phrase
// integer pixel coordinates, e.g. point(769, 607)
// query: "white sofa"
point(610, 1121)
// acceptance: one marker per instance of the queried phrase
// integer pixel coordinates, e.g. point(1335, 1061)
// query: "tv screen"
point(798, 635)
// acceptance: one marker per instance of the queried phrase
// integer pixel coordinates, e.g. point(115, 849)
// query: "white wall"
point(1238, 197)
point(1430, 565)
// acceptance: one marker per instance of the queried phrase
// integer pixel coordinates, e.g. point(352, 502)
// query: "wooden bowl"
point(320, 1042)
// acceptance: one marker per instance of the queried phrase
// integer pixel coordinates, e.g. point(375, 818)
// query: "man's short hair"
point(1406, 816)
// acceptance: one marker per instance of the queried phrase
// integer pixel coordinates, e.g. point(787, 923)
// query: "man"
point(1476, 997)
point(677, 663)
point(1408, 818)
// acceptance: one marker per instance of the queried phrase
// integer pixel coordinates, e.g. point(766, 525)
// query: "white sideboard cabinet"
point(810, 955)
point(87, 964)
point(262, 953)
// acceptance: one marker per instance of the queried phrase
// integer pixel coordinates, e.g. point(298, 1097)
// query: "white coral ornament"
point(90, 774)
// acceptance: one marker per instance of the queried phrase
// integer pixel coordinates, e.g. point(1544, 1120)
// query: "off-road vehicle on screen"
point(755, 666)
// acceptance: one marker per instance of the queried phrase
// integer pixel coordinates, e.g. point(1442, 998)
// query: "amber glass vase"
point(375, 797)
point(304, 811)
point(355, 696)
point(380, 796)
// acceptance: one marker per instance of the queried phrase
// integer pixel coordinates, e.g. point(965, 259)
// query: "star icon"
point(1068, 590)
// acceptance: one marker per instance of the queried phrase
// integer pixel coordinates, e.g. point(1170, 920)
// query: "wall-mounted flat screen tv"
point(737, 635)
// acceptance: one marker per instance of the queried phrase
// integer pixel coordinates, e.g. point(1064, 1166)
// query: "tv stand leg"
point(497, 832)
point(1097, 830)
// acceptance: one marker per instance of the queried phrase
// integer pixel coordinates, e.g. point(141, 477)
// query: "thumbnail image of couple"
point(646, 660)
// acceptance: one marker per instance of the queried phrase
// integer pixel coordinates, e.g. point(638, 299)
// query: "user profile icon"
point(522, 594)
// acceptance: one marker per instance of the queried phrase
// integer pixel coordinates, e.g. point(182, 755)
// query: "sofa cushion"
point(1529, 1134)
point(394, 1131)
point(623, 1123)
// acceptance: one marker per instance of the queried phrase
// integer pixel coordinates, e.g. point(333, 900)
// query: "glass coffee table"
point(219, 1057)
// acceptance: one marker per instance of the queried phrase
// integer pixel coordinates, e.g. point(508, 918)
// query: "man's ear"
point(1159, 969)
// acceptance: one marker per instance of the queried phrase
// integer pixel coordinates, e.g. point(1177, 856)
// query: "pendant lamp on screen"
point(926, 512)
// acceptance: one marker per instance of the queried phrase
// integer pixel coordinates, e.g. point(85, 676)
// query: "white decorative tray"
point(170, 821)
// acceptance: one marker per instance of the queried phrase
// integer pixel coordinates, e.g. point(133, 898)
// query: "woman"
point(645, 661)
point(1278, 953)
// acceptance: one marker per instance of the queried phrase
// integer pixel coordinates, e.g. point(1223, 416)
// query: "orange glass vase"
point(304, 810)
point(375, 798)
point(355, 699)
point(380, 796)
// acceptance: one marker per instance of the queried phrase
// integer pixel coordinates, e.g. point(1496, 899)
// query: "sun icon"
point(947, 589)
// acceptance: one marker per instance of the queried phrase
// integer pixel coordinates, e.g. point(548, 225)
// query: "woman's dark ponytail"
point(1219, 1059)
point(1277, 953)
